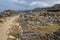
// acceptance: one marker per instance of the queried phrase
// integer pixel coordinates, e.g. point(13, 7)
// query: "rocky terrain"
point(42, 25)
point(30, 25)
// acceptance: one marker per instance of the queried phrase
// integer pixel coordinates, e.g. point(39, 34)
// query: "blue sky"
point(26, 4)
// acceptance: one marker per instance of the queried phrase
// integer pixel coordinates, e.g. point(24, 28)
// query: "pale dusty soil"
point(5, 27)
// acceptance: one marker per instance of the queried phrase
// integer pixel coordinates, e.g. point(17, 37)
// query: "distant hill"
point(55, 7)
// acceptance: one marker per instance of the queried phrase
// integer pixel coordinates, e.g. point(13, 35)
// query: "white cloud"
point(56, 2)
point(22, 2)
point(39, 4)
point(31, 4)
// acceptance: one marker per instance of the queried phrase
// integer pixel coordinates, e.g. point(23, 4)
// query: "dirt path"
point(5, 27)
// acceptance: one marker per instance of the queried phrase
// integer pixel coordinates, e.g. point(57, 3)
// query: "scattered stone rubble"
point(30, 36)
point(29, 20)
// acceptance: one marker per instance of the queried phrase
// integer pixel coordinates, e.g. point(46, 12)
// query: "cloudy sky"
point(26, 4)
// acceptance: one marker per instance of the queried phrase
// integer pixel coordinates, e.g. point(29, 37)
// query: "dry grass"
point(14, 31)
point(46, 29)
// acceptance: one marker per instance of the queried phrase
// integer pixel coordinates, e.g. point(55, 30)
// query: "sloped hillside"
point(34, 25)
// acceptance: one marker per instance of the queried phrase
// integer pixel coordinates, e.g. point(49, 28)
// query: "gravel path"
point(5, 27)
